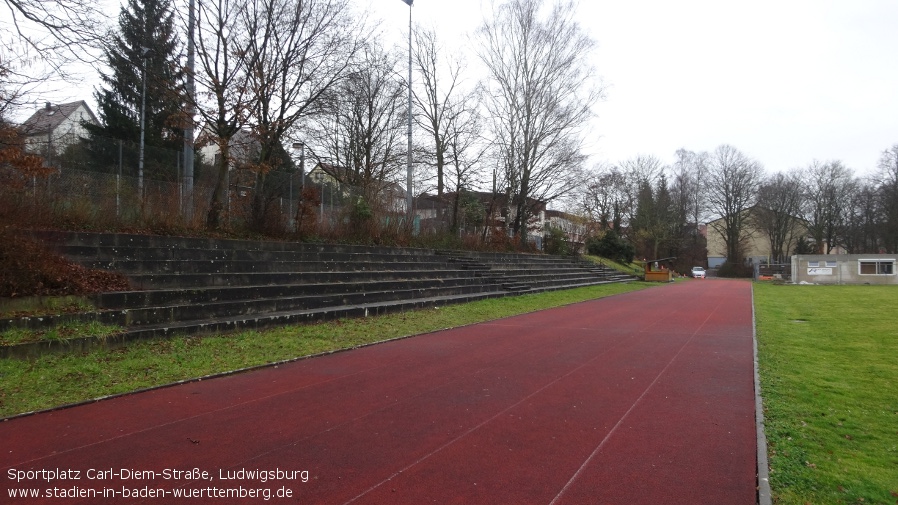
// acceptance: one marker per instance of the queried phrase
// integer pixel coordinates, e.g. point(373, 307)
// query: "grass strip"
point(63, 331)
point(827, 358)
point(36, 306)
point(55, 380)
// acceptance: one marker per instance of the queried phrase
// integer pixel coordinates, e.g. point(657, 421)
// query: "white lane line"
point(475, 428)
point(627, 413)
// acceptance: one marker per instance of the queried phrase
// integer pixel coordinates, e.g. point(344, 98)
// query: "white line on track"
point(627, 413)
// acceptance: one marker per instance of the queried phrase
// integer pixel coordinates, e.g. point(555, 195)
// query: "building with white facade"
point(52, 128)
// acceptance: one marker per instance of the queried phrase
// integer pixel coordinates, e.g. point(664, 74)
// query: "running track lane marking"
point(627, 413)
point(372, 412)
point(195, 416)
point(475, 428)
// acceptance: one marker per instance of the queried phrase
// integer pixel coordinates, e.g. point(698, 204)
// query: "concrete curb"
point(764, 493)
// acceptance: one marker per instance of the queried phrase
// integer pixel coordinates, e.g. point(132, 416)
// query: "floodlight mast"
point(408, 182)
point(145, 54)
point(191, 111)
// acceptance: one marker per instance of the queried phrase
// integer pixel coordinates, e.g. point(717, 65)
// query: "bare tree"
point(300, 50)
point(465, 152)
point(780, 200)
point(361, 133)
point(828, 186)
point(15, 83)
point(436, 102)
point(448, 115)
point(689, 172)
point(604, 197)
point(37, 40)
point(732, 186)
point(54, 31)
point(688, 208)
point(887, 188)
point(540, 93)
point(225, 100)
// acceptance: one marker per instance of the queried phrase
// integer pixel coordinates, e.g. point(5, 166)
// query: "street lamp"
point(408, 182)
point(145, 54)
point(302, 178)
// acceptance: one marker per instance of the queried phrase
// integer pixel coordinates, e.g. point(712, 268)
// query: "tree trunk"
point(216, 206)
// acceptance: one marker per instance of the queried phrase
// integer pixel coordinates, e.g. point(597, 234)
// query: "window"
point(877, 267)
point(813, 264)
point(830, 263)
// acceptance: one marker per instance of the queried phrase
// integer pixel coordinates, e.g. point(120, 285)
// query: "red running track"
point(646, 397)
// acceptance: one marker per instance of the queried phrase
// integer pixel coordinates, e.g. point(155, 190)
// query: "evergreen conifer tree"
point(146, 35)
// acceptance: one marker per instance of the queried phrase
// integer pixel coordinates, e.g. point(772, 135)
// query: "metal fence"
point(98, 182)
point(773, 271)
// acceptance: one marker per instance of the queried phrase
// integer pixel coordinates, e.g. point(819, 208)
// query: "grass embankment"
point(829, 379)
point(55, 380)
point(627, 268)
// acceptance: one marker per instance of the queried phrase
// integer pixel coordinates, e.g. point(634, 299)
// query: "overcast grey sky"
point(785, 81)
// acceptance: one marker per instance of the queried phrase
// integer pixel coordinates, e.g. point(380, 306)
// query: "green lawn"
point(829, 378)
point(55, 380)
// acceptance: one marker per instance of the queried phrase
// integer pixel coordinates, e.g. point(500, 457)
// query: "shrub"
point(611, 246)
point(735, 270)
point(556, 241)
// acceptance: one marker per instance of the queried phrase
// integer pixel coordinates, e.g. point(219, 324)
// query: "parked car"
point(698, 272)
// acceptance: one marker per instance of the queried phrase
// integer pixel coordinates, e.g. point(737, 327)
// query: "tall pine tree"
point(146, 27)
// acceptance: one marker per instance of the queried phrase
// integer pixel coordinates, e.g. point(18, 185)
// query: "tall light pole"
point(408, 182)
point(191, 110)
point(302, 177)
point(145, 54)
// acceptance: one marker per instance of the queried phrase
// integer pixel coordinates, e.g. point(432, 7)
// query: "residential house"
point(574, 227)
point(496, 211)
point(52, 128)
point(243, 148)
point(434, 212)
point(331, 178)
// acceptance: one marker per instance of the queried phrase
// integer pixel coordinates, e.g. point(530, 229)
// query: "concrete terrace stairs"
point(196, 285)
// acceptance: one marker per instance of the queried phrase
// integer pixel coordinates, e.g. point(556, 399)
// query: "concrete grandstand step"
point(162, 297)
point(302, 253)
point(201, 285)
point(192, 311)
point(189, 280)
point(261, 266)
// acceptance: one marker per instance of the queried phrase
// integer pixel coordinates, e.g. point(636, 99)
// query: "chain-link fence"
point(100, 183)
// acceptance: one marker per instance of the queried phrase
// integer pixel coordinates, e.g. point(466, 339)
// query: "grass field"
point(829, 378)
point(62, 379)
